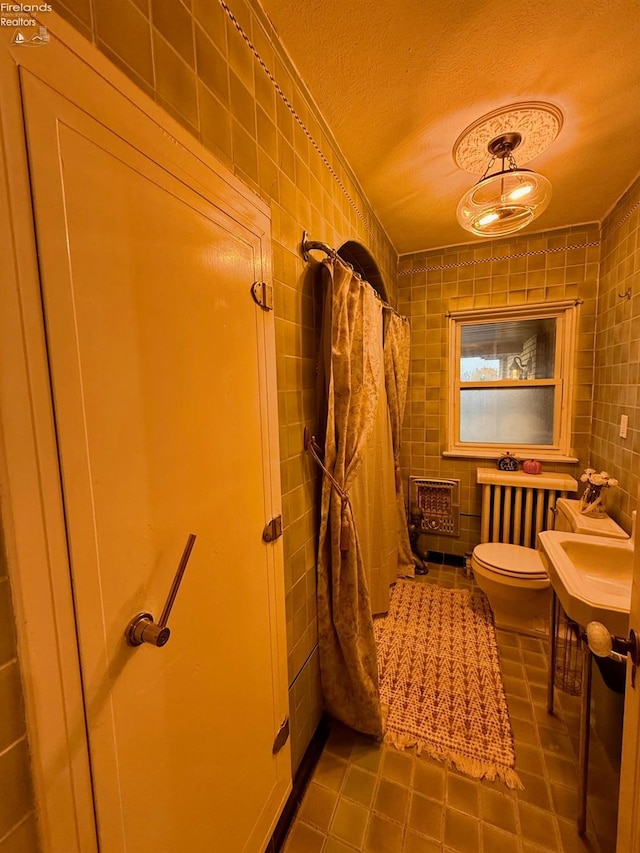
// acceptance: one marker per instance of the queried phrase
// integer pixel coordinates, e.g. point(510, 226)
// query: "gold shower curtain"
point(346, 642)
point(396, 373)
point(373, 500)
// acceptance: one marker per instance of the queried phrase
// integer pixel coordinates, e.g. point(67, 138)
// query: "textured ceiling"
point(399, 80)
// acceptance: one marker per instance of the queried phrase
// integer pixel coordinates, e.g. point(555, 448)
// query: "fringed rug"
point(440, 680)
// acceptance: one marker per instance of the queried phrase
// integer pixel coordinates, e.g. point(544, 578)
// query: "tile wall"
point(17, 817)
point(617, 375)
point(554, 265)
point(218, 68)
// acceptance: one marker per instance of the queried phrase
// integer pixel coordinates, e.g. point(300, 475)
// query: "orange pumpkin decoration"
point(531, 466)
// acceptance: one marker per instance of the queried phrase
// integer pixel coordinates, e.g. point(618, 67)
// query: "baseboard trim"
point(300, 782)
point(442, 558)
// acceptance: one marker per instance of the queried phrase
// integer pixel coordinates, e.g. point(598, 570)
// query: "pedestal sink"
point(591, 576)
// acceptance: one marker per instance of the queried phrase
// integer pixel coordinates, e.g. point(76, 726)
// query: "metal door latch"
point(282, 737)
point(273, 529)
point(262, 295)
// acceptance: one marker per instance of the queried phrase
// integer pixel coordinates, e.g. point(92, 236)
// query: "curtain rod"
point(308, 245)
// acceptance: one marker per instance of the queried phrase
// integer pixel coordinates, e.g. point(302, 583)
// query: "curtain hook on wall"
point(626, 294)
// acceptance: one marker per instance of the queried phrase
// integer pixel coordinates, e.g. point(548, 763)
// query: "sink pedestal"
point(585, 730)
point(585, 708)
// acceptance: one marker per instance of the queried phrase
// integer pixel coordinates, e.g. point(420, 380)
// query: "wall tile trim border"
point(295, 115)
point(525, 254)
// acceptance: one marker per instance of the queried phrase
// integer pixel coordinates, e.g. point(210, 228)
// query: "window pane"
point(507, 416)
point(511, 349)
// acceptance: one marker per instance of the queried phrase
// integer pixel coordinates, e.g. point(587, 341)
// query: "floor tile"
point(463, 795)
point(560, 769)
point(461, 832)
point(497, 841)
point(536, 791)
point(510, 653)
point(397, 766)
point(349, 822)
point(429, 778)
point(367, 756)
point(574, 843)
point(555, 741)
point(419, 844)
point(530, 759)
point(359, 786)
point(425, 816)
point(383, 836)
point(532, 644)
point(304, 839)
point(365, 796)
point(565, 801)
point(538, 693)
point(317, 806)
point(498, 809)
point(539, 827)
point(521, 709)
point(506, 638)
point(516, 687)
point(341, 741)
point(392, 800)
point(330, 771)
point(524, 732)
point(535, 660)
point(334, 845)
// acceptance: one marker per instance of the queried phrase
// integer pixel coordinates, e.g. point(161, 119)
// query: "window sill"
point(492, 454)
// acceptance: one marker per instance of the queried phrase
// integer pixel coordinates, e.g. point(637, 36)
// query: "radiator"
point(517, 506)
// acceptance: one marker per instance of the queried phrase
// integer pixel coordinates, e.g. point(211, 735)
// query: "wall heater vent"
point(438, 503)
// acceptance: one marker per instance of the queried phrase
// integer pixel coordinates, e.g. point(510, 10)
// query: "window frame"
point(566, 315)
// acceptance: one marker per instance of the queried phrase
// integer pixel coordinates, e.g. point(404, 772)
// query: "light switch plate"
point(624, 425)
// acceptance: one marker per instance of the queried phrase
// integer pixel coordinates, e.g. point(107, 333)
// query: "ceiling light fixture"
point(505, 200)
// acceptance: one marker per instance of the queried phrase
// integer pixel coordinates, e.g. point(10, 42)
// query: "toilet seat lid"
point(512, 560)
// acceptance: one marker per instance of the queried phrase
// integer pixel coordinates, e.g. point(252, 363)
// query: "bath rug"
point(440, 680)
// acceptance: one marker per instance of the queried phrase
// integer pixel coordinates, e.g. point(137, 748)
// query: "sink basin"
point(591, 576)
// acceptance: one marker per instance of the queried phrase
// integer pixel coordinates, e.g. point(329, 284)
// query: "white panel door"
point(629, 797)
point(160, 369)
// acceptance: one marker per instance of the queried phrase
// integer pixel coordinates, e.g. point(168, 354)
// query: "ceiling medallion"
point(537, 122)
point(507, 199)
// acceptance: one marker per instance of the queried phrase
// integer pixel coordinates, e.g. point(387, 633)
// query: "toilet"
point(514, 578)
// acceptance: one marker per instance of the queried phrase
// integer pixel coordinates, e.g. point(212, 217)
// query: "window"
point(509, 381)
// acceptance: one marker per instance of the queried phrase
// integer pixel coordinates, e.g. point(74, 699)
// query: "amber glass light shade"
point(504, 202)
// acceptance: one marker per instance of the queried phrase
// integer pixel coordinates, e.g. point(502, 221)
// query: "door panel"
point(628, 837)
point(159, 368)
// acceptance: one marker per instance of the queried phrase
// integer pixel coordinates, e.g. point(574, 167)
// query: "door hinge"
point(263, 295)
point(282, 737)
point(272, 529)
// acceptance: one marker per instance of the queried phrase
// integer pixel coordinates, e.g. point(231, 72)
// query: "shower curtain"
point(373, 500)
point(346, 644)
point(396, 375)
point(357, 420)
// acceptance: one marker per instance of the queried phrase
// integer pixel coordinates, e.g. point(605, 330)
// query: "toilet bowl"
point(517, 585)
point(514, 579)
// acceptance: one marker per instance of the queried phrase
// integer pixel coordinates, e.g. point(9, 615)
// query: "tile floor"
point(368, 797)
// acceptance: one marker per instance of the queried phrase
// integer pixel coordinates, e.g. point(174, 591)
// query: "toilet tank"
point(571, 520)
